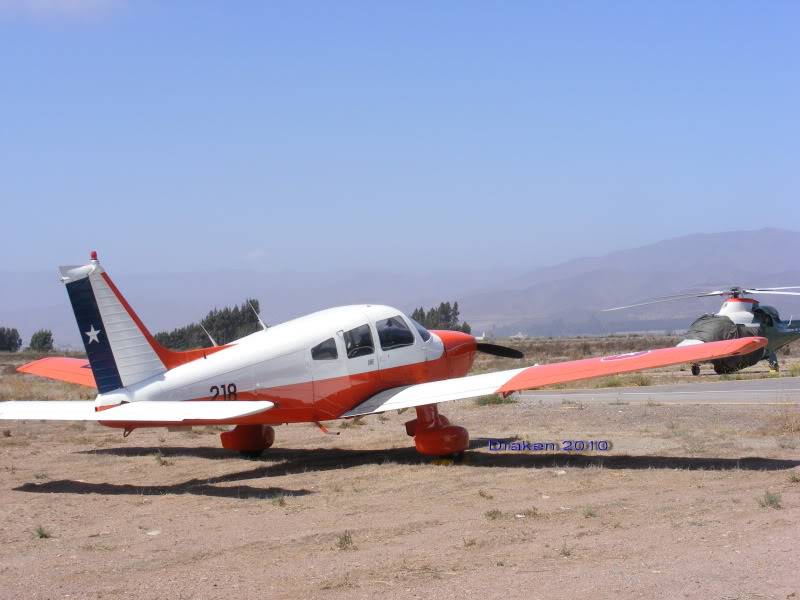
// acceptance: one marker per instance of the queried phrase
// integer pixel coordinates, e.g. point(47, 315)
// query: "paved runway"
point(779, 390)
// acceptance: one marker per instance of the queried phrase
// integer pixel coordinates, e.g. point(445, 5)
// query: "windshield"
point(426, 335)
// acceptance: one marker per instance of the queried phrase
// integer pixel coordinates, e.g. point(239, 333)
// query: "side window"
point(325, 350)
point(426, 335)
point(394, 333)
point(358, 342)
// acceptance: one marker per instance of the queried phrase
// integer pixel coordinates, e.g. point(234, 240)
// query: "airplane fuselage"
point(313, 368)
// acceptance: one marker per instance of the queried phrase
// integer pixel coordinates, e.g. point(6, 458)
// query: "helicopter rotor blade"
point(497, 350)
point(730, 291)
point(773, 292)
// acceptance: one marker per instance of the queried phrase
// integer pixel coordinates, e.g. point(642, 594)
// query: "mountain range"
point(567, 298)
point(560, 299)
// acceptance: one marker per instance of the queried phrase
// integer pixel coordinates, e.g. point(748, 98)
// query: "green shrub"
point(493, 399)
point(42, 341)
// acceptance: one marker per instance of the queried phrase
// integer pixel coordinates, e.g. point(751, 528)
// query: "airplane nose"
point(459, 350)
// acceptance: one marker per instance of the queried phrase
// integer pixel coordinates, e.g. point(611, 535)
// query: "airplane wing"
point(132, 412)
point(61, 368)
point(514, 380)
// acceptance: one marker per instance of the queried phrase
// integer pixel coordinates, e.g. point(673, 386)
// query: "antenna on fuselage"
point(213, 341)
point(263, 325)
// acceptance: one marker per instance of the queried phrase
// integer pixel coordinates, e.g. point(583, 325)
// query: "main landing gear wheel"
point(249, 440)
point(695, 370)
point(772, 360)
point(434, 435)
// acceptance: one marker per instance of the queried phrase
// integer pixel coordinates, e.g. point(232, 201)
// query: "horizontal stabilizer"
point(61, 368)
point(205, 411)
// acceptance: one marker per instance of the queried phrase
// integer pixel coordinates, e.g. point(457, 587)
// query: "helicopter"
point(738, 317)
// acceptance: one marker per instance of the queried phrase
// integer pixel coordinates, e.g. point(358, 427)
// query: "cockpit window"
point(325, 350)
point(358, 342)
point(394, 333)
point(426, 335)
point(764, 317)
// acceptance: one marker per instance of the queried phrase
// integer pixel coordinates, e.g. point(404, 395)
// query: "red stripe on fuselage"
point(329, 398)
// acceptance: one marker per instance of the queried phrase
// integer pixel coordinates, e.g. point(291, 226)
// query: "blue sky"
point(308, 136)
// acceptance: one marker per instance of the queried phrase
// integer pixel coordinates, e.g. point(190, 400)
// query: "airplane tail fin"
point(121, 350)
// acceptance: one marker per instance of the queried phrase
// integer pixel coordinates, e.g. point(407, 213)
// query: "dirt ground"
point(691, 502)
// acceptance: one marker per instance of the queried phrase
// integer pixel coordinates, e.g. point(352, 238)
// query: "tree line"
point(224, 325)
point(10, 340)
point(228, 324)
point(445, 316)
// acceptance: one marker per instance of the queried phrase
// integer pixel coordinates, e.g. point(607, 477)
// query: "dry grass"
point(161, 461)
point(787, 422)
point(415, 529)
point(344, 541)
point(29, 387)
point(18, 386)
point(493, 514)
point(770, 500)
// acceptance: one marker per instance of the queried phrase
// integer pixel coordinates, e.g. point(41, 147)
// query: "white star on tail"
point(92, 333)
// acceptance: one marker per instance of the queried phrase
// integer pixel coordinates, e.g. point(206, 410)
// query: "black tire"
point(695, 370)
point(722, 369)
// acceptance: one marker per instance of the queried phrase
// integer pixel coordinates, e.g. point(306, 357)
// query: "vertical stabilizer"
point(121, 352)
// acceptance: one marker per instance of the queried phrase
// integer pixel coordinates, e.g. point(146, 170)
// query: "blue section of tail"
point(95, 340)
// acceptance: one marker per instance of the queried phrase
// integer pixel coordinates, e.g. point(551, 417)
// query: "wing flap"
point(503, 382)
point(133, 412)
point(61, 368)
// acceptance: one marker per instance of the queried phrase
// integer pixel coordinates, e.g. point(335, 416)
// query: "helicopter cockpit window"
point(424, 333)
point(394, 333)
point(358, 342)
point(325, 350)
point(765, 318)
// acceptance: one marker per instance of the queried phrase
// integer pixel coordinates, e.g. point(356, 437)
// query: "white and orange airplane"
point(333, 364)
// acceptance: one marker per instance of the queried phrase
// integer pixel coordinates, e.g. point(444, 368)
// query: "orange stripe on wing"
point(542, 375)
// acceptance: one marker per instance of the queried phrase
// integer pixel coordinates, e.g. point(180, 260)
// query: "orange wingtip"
point(61, 368)
point(542, 375)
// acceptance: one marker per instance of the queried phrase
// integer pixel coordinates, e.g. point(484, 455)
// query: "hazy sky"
point(195, 135)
